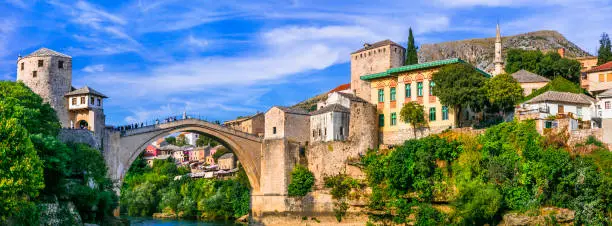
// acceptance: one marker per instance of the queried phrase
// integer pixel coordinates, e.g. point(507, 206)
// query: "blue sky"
point(228, 58)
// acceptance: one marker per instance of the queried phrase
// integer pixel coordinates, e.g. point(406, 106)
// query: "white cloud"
point(94, 68)
point(200, 43)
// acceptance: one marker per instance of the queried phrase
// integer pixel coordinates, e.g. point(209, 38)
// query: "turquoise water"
point(146, 221)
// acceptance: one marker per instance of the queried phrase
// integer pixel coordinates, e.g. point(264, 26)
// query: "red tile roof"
point(604, 67)
point(341, 87)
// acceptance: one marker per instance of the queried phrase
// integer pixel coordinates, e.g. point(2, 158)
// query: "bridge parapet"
point(186, 122)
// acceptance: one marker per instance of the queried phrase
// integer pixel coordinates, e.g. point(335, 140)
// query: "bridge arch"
point(127, 145)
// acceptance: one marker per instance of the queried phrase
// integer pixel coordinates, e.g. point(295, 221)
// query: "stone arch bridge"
point(120, 148)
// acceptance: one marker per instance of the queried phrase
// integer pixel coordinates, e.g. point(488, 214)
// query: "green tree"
point(460, 86)
point(171, 140)
point(181, 140)
point(549, 65)
point(21, 171)
point(414, 114)
point(301, 182)
point(57, 157)
point(220, 151)
point(19, 102)
point(503, 92)
point(604, 53)
point(559, 84)
point(411, 50)
point(204, 140)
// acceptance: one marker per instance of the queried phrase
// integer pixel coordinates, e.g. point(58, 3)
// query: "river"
point(146, 221)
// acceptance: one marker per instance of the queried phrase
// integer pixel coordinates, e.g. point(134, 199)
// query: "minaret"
point(498, 62)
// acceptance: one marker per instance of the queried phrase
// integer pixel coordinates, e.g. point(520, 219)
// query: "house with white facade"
point(330, 123)
point(552, 104)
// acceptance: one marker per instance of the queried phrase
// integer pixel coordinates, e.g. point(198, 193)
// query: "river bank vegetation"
point(458, 179)
point(36, 168)
point(150, 190)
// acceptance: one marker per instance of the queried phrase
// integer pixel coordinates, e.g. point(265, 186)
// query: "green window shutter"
point(408, 90)
point(432, 114)
point(431, 85)
point(381, 95)
point(392, 93)
point(444, 112)
point(381, 120)
point(420, 89)
point(393, 119)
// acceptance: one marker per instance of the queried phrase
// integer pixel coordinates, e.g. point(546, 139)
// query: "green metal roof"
point(420, 66)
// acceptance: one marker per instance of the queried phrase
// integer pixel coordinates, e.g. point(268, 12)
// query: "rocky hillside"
point(480, 52)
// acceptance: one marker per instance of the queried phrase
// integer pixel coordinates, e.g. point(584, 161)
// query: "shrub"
point(302, 181)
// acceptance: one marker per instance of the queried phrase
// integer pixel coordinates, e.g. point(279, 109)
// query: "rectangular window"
point(341, 131)
point(601, 78)
point(431, 85)
point(73, 101)
point(432, 114)
point(99, 102)
point(381, 95)
point(408, 90)
point(274, 130)
point(393, 119)
point(82, 100)
point(40, 63)
point(392, 93)
point(560, 110)
point(607, 105)
point(381, 120)
point(60, 64)
point(34, 74)
point(444, 112)
point(22, 66)
point(91, 101)
point(579, 111)
point(420, 89)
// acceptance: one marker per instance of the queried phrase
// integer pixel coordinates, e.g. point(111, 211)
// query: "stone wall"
point(80, 136)
point(297, 127)
point(51, 82)
point(581, 135)
point(606, 125)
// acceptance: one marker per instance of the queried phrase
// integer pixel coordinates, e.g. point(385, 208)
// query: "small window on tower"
point(60, 64)
point(91, 101)
point(40, 63)
point(82, 100)
point(99, 102)
point(22, 66)
point(73, 101)
point(34, 74)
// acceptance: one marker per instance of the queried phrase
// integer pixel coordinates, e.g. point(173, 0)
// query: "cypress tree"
point(411, 50)
point(604, 54)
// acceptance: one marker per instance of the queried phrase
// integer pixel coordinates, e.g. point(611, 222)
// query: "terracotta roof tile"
point(341, 87)
point(604, 67)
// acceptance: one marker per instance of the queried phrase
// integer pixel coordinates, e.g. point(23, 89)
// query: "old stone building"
point(330, 123)
point(254, 124)
point(290, 123)
point(373, 58)
point(85, 109)
point(547, 107)
point(49, 74)
point(391, 89)
point(227, 161)
point(530, 82)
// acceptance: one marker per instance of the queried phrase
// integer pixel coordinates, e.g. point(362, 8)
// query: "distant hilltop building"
point(49, 74)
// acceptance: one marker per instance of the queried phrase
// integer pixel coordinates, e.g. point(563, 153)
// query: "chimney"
point(561, 52)
point(366, 45)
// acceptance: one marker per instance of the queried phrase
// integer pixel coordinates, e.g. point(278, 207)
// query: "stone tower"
point(49, 74)
point(498, 62)
point(373, 58)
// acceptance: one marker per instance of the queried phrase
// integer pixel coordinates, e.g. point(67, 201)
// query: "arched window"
point(83, 124)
